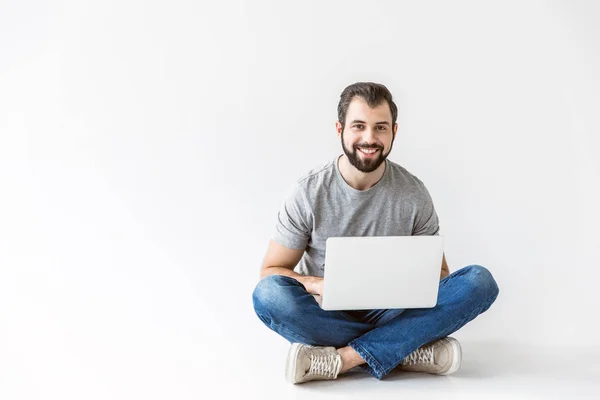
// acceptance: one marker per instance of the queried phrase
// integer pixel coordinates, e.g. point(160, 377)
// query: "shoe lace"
point(325, 365)
point(422, 355)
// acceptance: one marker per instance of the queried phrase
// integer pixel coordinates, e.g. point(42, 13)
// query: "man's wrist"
point(307, 282)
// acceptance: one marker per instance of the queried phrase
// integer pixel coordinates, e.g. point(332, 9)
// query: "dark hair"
point(373, 93)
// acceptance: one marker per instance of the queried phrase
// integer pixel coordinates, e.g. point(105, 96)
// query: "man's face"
point(368, 135)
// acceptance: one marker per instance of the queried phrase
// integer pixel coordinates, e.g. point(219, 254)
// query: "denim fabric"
point(382, 337)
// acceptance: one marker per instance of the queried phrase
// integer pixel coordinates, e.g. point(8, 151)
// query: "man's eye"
point(358, 126)
point(381, 127)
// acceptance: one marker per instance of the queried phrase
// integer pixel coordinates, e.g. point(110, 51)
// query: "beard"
point(360, 162)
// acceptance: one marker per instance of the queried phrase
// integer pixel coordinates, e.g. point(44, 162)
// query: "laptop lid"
point(381, 272)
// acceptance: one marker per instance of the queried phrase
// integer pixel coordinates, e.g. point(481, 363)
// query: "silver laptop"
point(381, 272)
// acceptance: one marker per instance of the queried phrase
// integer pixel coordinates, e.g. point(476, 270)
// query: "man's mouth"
point(368, 152)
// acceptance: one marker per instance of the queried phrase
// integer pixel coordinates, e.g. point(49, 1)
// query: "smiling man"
point(361, 193)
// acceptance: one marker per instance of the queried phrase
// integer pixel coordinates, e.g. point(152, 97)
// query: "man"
point(361, 193)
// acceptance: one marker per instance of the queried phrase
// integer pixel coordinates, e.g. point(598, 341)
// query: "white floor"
point(489, 371)
point(241, 359)
point(71, 344)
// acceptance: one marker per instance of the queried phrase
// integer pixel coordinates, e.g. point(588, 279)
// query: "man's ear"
point(395, 130)
point(338, 128)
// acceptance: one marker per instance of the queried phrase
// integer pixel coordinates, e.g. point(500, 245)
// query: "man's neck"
point(357, 179)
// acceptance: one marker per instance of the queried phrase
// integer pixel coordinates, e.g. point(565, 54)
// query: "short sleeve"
point(426, 220)
point(293, 226)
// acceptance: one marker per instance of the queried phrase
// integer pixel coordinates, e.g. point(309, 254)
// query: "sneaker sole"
point(290, 364)
point(456, 356)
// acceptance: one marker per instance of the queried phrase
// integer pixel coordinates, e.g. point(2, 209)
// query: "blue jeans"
point(383, 338)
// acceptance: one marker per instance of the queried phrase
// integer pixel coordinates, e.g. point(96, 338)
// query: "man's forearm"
point(307, 281)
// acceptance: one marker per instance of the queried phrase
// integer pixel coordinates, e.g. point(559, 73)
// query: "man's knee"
point(272, 294)
point(482, 282)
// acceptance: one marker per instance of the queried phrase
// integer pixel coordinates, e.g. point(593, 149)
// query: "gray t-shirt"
point(321, 204)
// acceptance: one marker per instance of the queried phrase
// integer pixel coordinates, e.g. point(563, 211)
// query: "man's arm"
point(445, 271)
point(281, 260)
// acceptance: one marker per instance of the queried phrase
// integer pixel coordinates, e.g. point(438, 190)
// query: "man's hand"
point(314, 285)
point(445, 270)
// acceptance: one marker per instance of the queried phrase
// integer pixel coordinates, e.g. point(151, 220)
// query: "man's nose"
point(368, 136)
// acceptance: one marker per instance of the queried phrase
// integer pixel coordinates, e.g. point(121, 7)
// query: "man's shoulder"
point(308, 185)
point(400, 175)
point(318, 174)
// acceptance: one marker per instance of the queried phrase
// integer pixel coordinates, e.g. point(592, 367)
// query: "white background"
point(145, 148)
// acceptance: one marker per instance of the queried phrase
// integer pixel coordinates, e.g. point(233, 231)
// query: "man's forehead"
point(359, 109)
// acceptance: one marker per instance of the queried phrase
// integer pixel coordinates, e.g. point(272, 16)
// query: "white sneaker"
point(306, 363)
point(442, 357)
